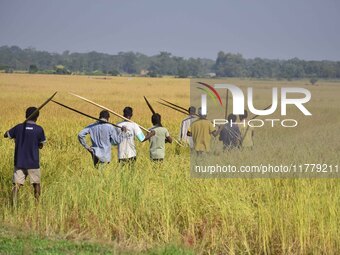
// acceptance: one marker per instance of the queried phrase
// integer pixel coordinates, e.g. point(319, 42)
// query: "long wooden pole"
point(174, 108)
point(84, 114)
point(41, 106)
point(178, 106)
point(109, 110)
point(149, 105)
point(226, 104)
point(153, 112)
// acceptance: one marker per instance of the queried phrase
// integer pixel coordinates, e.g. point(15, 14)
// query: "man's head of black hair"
point(244, 115)
point(156, 119)
point(104, 114)
point(128, 112)
point(232, 118)
point(30, 111)
point(192, 110)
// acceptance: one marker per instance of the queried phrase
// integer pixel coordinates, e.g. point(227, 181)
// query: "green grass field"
point(14, 242)
point(153, 206)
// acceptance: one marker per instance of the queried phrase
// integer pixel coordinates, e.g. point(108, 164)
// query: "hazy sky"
point(307, 29)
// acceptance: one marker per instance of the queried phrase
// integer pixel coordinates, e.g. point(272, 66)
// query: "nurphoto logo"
point(238, 103)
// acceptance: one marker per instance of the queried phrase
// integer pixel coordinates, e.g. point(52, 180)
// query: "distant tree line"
point(164, 63)
point(234, 65)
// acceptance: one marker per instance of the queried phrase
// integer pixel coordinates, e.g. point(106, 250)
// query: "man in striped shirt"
point(185, 125)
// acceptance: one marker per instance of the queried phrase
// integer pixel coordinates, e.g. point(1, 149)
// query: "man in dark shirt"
point(29, 138)
point(230, 134)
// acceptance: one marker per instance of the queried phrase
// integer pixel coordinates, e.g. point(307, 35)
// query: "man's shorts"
point(20, 175)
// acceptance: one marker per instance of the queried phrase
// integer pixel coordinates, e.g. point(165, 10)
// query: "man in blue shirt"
point(103, 136)
point(29, 138)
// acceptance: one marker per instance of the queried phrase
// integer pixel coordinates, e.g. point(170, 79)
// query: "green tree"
point(114, 72)
point(230, 65)
point(33, 69)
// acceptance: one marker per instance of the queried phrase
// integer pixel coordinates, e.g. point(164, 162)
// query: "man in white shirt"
point(185, 125)
point(127, 148)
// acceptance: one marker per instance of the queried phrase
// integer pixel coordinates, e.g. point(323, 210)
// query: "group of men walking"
point(105, 135)
point(30, 138)
point(196, 131)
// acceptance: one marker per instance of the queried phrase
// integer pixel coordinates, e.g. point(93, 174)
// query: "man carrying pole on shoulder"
point(103, 136)
point(185, 125)
point(230, 134)
point(159, 136)
point(29, 138)
point(127, 149)
point(201, 131)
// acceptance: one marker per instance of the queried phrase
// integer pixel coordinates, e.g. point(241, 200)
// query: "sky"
point(274, 29)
